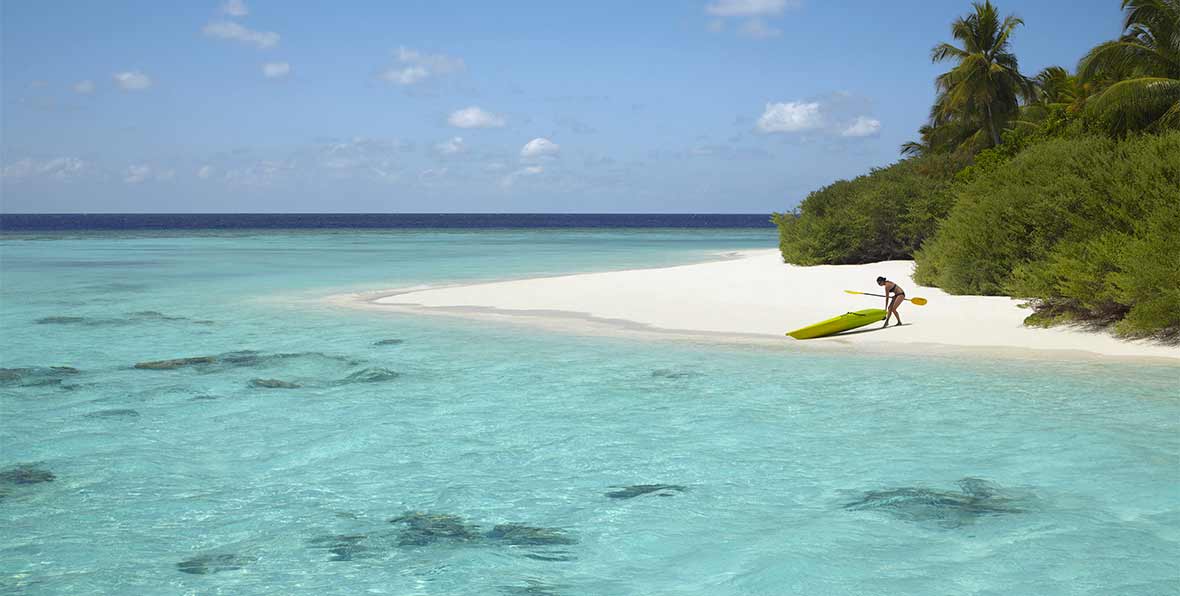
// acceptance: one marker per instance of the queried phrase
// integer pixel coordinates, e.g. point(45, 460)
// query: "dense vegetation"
point(885, 214)
point(1062, 189)
point(1085, 227)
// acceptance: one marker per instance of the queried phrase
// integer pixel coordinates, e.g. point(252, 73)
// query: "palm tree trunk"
point(991, 127)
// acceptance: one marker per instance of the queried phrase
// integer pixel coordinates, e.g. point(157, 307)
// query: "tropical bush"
point(885, 214)
point(1085, 228)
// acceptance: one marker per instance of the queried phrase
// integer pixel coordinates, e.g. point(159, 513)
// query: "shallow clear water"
point(789, 471)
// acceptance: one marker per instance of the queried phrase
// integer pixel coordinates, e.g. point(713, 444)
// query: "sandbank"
point(754, 295)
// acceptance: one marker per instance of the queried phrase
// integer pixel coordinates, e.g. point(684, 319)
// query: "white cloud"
point(19, 169)
point(276, 70)
point(747, 8)
point(432, 174)
point(758, 29)
point(451, 146)
point(387, 174)
point(84, 87)
point(359, 157)
point(474, 117)
point(260, 173)
point(539, 147)
point(235, 8)
point(137, 173)
point(836, 114)
point(405, 76)
point(510, 179)
point(58, 168)
point(862, 127)
point(64, 167)
point(755, 13)
point(204, 172)
point(793, 116)
point(414, 66)
point(236, 32)
point(132, 80)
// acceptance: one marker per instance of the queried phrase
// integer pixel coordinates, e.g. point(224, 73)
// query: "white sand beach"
point(755, 295)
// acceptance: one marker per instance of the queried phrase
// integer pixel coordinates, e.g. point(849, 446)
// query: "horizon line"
point(2, 214)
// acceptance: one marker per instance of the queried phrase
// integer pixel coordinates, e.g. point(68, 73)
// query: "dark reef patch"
point(36, 376)
point(25, 474)
point(422, 529)
point(154, 315)
point(559, 556)
point(132, 318)
point(521, 535)
point(416, 529)
point(273, 384)
point(114, 413)
point(531, 587)
point(213, 563)
point(976, 498)
point(175, 363)
point(374, 374)
point(240, 359)
point(61, 320)
point(345, 547)
point(637, 490)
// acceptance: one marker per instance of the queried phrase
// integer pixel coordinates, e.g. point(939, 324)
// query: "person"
point(891, 304)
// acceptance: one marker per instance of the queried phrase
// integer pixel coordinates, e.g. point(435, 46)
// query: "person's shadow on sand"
point(872, 330)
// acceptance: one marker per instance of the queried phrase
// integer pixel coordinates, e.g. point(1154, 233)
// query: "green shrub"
point(1148, 279)
point(1086, 228)
point(885, 214)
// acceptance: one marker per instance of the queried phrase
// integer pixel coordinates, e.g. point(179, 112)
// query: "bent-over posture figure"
point(891, 303)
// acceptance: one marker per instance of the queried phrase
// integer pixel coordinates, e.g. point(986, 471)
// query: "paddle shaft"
point(877, 295)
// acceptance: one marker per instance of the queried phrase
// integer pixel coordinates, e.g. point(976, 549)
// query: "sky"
point(693, 106)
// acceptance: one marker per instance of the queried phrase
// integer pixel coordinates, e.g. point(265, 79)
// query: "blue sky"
point(268, 105)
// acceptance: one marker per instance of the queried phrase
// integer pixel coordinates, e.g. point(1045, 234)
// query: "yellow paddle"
point(917, 301)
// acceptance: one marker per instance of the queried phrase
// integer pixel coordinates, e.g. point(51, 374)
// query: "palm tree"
point(952, 136)
point(986, 86)
point(923, 146)
point(1055, 87)
point(1140, 71)
point(914, 148)
point(1055, 91)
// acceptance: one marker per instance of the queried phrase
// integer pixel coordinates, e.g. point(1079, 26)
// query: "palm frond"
point(1120, 59)
point(1135, 104)
point(913, 149)
point(1171, 118)
point(945, 51)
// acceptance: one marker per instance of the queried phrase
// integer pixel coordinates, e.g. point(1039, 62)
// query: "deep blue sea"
point(294, 221)
point(180, 413)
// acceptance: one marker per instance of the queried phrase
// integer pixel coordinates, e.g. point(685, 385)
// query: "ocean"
point(181, 412)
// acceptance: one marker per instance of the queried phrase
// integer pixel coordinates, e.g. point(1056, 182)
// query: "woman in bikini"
point(891, 304)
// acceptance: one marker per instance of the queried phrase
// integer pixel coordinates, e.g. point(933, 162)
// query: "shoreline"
point(752, 298)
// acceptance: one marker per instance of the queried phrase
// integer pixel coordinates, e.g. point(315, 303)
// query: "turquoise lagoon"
point(515, 461)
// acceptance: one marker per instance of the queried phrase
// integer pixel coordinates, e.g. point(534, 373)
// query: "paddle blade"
point(918, 301)
point(852, 292)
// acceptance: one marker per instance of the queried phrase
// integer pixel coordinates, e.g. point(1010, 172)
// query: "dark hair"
point(880, 279)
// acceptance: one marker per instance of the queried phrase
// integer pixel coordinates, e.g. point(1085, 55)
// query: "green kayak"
point(844, 322)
